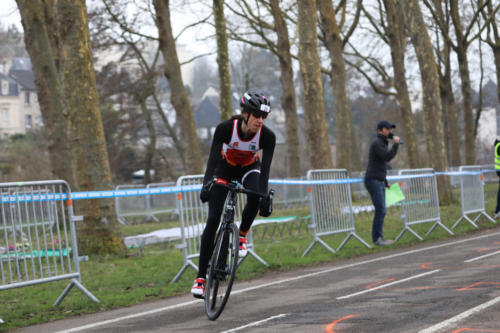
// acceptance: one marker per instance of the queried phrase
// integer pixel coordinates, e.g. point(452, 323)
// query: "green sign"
point(393, 195)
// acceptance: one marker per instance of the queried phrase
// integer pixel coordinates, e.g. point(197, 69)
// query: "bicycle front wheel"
point(222, 271)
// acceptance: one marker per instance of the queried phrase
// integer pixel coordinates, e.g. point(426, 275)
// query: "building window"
point(5, 117)
point(27, 98)
point(28, 120)
point(5, 87)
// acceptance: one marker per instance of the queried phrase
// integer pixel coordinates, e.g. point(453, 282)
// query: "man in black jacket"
point(375, 177)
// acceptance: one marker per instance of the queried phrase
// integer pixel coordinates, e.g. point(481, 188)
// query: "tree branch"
point(354, 24)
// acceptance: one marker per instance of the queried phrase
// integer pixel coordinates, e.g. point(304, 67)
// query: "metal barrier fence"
point(132, 206)
point(161, 204)
point(331, 207)
point(37, 236)
point(472, 194)
point(287, 196)
point(421, 204)
point(193, 216)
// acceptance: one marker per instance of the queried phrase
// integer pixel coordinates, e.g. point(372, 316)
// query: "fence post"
point(331, 207)
point(472, 195)
point(421, 204)
point(39, 236)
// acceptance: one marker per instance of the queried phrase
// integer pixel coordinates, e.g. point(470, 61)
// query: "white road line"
point(256, 323)
point(460, 316)
point(264, 285)
point(132, 316)
point(389, 284)
point(481, 257)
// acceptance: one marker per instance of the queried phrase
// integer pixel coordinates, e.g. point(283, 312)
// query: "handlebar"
point(236, 187)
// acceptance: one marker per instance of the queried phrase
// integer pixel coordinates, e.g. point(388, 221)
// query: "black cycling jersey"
point(217, 166)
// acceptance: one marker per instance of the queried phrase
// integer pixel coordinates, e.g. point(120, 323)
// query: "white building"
point(19, 108)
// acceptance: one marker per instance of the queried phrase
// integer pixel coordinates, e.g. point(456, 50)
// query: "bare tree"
point(42, 42)
point(464, 35)
point(450, 115)
point(144, 87)
point(178, 96)
point(347, 152)
point(226, 108)
point(99, 232)
point(431, 96)
point(288, 98)
point(317, 139)
point(396, 37)
point(58, 38)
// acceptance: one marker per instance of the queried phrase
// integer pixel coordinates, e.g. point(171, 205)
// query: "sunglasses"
point(260, 114)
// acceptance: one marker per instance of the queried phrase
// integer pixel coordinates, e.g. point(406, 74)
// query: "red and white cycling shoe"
point(243, 247)
point(198, 289)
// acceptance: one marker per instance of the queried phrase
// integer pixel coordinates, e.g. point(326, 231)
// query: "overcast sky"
point(9, 14)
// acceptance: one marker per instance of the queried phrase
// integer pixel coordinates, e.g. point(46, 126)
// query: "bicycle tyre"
point(222, 271)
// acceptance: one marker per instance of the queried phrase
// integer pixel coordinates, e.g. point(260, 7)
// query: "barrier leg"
point(75, 282)
point(256, 256)
point(464, 217)
point(361, 240)
point(438, 223)
point(183, 269)
point(406, 228)
point(352, 234)
point(318, 240)
point(489, 217)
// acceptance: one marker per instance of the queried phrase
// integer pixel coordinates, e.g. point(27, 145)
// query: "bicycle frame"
point(224, 261)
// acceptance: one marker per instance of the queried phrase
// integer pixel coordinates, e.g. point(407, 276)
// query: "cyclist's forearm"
point(265, 169)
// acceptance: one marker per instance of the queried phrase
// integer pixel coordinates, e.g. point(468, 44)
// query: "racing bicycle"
point(224, 262)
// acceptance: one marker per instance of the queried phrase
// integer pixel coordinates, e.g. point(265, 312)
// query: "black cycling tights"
point(215, 206)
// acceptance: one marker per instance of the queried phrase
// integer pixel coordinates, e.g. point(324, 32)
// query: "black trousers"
point(249, 178)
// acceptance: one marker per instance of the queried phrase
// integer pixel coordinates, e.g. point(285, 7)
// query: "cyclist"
point(234, 155)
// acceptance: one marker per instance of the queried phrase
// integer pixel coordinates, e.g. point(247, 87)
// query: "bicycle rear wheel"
point(221, 271)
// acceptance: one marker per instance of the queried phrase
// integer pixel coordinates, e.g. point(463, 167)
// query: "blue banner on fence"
point(189, 188)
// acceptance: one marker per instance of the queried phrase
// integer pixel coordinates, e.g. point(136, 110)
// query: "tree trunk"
point(343, 118)
point(463, 66)
point(450, 122)
point(99, 232)
point(225, 104)
point(41, 39)
point(150, 149)
point(450, 113)
point(450, 116)
point(178, 96)
point(288, 98)
point(317, 139)
point(397, 43)
point(431, 98)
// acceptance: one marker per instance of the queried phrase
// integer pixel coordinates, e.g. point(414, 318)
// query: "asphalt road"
point(451, 286)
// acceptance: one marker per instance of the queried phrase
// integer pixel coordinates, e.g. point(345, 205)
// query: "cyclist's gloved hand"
point(205, 193)
point(266, 205)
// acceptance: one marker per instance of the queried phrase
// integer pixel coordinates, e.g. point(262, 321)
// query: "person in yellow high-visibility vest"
point(497, 168)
